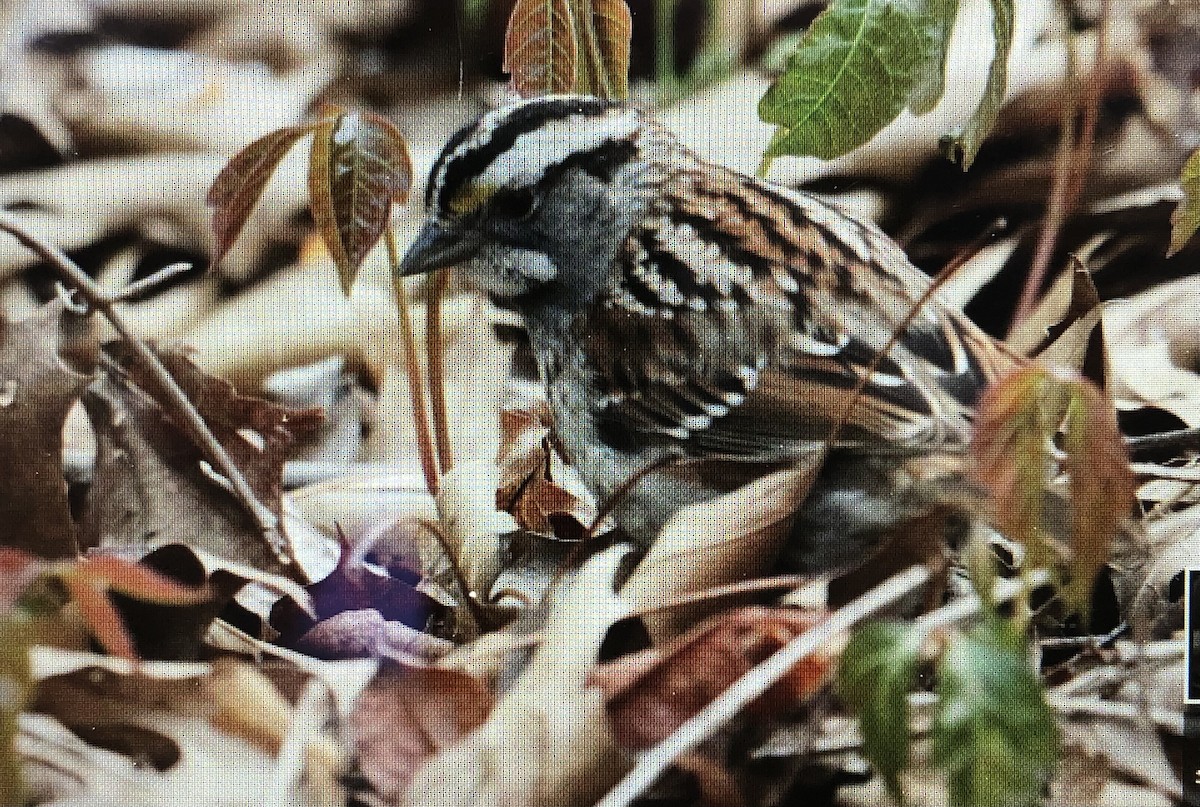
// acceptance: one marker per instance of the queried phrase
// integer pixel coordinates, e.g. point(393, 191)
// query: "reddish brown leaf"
point(110, 573)
point(614, 31)
point(1016, 419)
point(100, 616)
point(650, 694)
point(407, 714)
point(1102, 486)
point(358, 168)
point(45, 363)
point(540, 52)
point(240, 183)
point(529, 472)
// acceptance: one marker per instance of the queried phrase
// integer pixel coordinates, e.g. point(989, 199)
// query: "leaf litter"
point(468, 707)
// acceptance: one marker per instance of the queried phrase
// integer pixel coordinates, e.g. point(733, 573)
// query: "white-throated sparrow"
point(681, 310)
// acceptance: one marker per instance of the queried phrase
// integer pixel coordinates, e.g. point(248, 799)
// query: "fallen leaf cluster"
point(352, 565)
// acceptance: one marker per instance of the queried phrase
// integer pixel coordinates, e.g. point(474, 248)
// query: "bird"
point(697, 328)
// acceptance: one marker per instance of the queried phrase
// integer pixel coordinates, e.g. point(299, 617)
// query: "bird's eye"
point(515, 204)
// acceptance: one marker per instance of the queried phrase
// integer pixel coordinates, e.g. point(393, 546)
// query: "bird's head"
point(538, 196)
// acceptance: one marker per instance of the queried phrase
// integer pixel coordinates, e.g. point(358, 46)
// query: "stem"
point(664, 47)
point(1070, 170)
point(758, 680)
point(176, 399)
point(593, 63)
point(412, 365)
point(435, 350)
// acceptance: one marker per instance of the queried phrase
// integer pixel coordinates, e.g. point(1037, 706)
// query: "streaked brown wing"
point(763, 309)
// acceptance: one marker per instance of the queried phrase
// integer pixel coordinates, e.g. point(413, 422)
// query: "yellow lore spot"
point(471, 197)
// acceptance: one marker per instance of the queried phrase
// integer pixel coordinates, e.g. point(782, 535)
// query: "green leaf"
point(856, 67)
point(1186, 218)
point(877, 670)
point(240, 183)
point(931, 81)
point(540, 48)
point(994, 733)
point(358, 167)
point(964, 144)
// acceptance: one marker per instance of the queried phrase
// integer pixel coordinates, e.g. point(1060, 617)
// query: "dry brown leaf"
point(1153, 346)
point(650, 694)
point(407, 714)
point(729, 538)
point(154, 99)
point(547, 741)
point(1076, 339)
point(159, 197)
point(181, 733)
point(1174, 547)
point(144, 458)
point(45, 363)
point(535, 486)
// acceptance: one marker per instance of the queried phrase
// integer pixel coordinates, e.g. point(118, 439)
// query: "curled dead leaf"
point(716, 542)
point(651, 693)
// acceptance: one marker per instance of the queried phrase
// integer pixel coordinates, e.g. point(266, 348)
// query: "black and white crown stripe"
point(517, 145)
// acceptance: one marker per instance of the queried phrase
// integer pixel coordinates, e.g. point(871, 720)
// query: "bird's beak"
point(437, 247)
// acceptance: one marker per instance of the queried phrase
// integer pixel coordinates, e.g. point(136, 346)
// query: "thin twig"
point(757, 681)
point(1089, 642)
point(176, 399)
point(1070, 169)
point(435, 350)
point(938, 281)
point(413, 366)
point(1167, 719)
point(149, 284)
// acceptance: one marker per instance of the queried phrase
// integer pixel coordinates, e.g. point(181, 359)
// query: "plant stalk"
point(435, 349)
point(1072, 162)
point(412, 364)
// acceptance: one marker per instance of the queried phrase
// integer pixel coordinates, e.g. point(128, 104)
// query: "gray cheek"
point(508, 271)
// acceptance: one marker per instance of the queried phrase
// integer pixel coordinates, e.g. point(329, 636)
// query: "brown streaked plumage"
point(683, 312)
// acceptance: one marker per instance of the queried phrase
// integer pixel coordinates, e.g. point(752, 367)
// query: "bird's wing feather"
point(759, 354)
